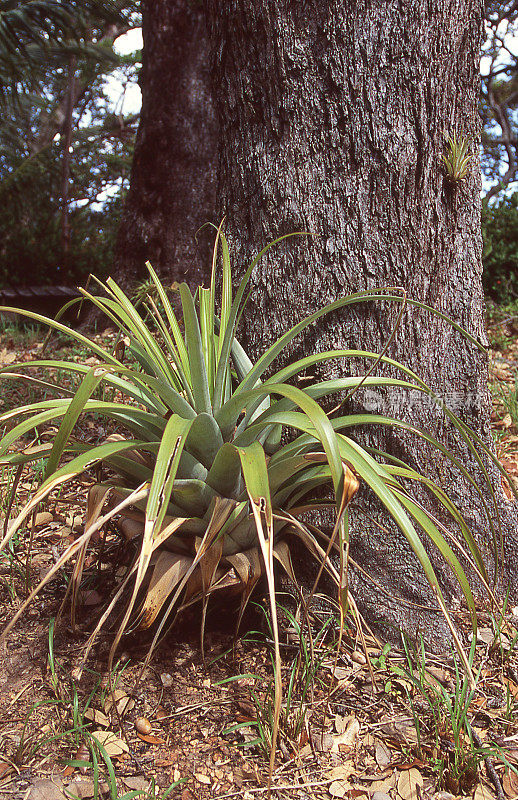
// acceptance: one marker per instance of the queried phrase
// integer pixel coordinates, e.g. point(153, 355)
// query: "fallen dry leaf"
point(43, 518)
point(399, 728)
point(384, 786)
point(510, 784)
point(382, 754)
point(82, 789)
point(482, 792)
point(111, 743)
point(320, 741)
point(5, 768)
point(339, 788)
point(165, 762)
point(348, 737)
point(485, 635)
point(338, 672)
point(439, 673)
point(150, 739)
point(358, 657)
point(6, 357)
point(340, 723)
point(408, 782)
point(97, 717)
point(46, 789)
point(67, 772)
point(341, 772)
point(137, 784)
point(121, 700)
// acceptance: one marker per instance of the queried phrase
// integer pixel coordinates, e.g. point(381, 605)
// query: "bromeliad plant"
point(203, 480)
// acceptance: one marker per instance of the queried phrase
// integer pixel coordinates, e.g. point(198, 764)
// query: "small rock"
point(46, 789)
point(167, 679)
point(81, 789)
point(358, 657)
point(485, 635)
point(137, 784)
point(78, 524)
point(439, 674)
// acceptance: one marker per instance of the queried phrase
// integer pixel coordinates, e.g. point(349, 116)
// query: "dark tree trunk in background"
point(173, 175)
point(332, 119)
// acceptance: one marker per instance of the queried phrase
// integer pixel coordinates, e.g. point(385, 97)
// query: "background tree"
point(332, 120)
point(173, 181)
point(499, 99)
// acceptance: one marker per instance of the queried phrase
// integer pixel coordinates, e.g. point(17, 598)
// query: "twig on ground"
point(490, 769)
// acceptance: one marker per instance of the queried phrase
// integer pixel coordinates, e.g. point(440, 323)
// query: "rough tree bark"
point(172, 190)
point(332, 120)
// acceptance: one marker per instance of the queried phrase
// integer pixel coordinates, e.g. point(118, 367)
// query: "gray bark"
point(332, 121)
point(172, 189)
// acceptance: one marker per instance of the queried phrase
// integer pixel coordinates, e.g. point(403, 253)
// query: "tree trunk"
point(172, 189)
point(333, 118)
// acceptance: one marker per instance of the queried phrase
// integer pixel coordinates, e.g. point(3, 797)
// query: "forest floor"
point(391, 730)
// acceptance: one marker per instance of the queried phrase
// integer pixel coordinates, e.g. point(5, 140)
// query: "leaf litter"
point(356, 742)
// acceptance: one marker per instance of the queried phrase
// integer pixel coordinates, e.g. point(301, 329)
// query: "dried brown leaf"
point(339, 788)
point(97, 717)
point(382, 754)
point(510, 784)
point(111, 743)
point(408, 782)
point(150, 739)
point(348, 737)
point(482, 792)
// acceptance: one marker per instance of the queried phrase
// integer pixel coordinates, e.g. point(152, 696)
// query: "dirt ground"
point(351, 729)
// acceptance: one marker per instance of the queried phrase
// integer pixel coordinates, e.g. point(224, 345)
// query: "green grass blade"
point(226, 291)
point(207, 334)
point(84, 340)
point(76, 407)
point(140, 393)
point(225, 473)
point(200, 387)
point(360, 297)
point(204, 439)
point(183, 382)
point(445, 550)
point(230, 330)
point(228, 415)
point(149, 426)
point(255, 473)
point(139, 330)
point(317, 417)
point(173, 322)
point(84, 461)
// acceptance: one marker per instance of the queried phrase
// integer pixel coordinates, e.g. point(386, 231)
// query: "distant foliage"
point(30, 248)
point(66, 141)
point(500, 256)
point(499, 98)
